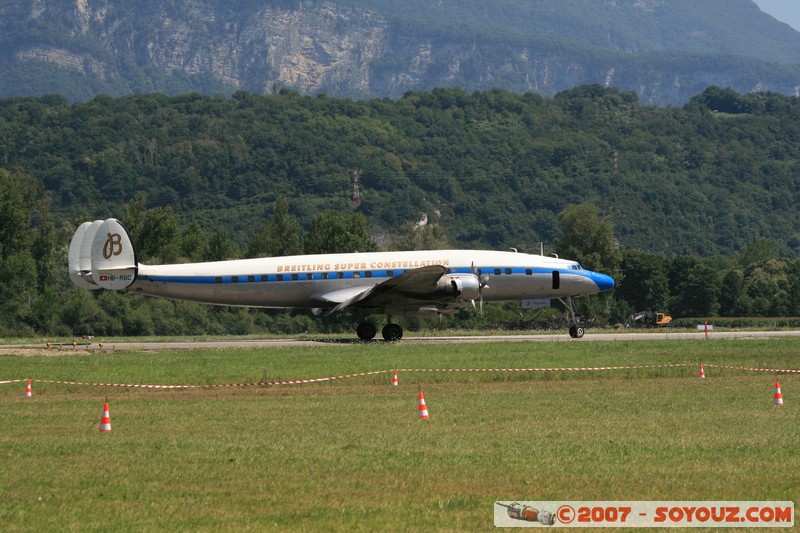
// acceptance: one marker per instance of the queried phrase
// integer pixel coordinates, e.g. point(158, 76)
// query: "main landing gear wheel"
point(392, 332)
point(366, 331)
point(576, 332)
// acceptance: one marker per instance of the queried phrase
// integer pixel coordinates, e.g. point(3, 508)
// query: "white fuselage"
point(101, 256)
point(305, 281)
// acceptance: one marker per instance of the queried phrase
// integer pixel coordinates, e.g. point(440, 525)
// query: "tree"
point(428, 237)
point(194, 243)
point(333, 232)
point(793, 272)
point(733, 298)
point(758, 252)
point(695, 288)
point(644, 284)
point(767, 287)
point(279, 237)
point(588, 239)
point(723, 100)
point(220, 247)
point(15, 215)
point(154, 232)
point(18, 269)
point(44, 244)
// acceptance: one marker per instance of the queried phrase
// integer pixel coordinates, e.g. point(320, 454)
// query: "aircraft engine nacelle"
point(466, 286)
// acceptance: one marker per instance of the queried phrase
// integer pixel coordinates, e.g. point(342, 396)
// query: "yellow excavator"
point(648, 318)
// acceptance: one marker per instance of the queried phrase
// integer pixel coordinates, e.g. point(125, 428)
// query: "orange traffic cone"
point(394, 379)
point(423, 409)
point(105, 419)
point(778, 398)
point(28, 392)
point(702, 372)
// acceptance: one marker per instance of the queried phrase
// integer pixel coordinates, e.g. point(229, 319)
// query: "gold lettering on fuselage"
point(408, 264)
point(315, 267)
point(374, 265)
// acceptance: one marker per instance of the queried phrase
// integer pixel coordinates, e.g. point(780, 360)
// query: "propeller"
point(483, 282)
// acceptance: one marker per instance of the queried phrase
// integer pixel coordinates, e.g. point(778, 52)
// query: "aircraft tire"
point(576, 332)
point(366, 331)
point(392, 332)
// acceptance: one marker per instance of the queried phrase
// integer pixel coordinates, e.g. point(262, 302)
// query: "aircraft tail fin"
point(101, 255)
point(80, 260)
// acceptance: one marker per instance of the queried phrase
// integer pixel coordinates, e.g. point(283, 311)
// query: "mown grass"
point(353, 455)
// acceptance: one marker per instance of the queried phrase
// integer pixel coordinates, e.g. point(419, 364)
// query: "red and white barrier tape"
point(543, 369)
point(749, 369)
point(362, 374)
point(209, 386)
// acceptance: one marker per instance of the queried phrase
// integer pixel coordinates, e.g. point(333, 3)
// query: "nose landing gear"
point(576, 330)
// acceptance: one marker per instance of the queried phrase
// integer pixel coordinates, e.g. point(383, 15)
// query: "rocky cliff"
point(376, 49)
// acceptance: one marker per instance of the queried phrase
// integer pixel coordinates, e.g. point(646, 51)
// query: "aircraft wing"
point(411, 283)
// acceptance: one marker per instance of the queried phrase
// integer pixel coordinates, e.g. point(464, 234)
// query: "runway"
point(660, 335)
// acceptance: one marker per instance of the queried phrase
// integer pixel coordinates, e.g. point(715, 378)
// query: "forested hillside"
point(692, 195)
point(492, 169)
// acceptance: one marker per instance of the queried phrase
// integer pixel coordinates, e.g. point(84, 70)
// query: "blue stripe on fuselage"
point(602, 281)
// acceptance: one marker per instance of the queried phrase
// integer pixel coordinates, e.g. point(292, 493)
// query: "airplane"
point(396, 284)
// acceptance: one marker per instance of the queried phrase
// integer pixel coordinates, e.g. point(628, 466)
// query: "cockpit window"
point(576, 266)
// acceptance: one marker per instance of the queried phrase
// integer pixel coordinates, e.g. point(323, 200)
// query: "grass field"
point(352, 454)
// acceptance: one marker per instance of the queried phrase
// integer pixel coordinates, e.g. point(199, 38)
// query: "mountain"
point(664, 50)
